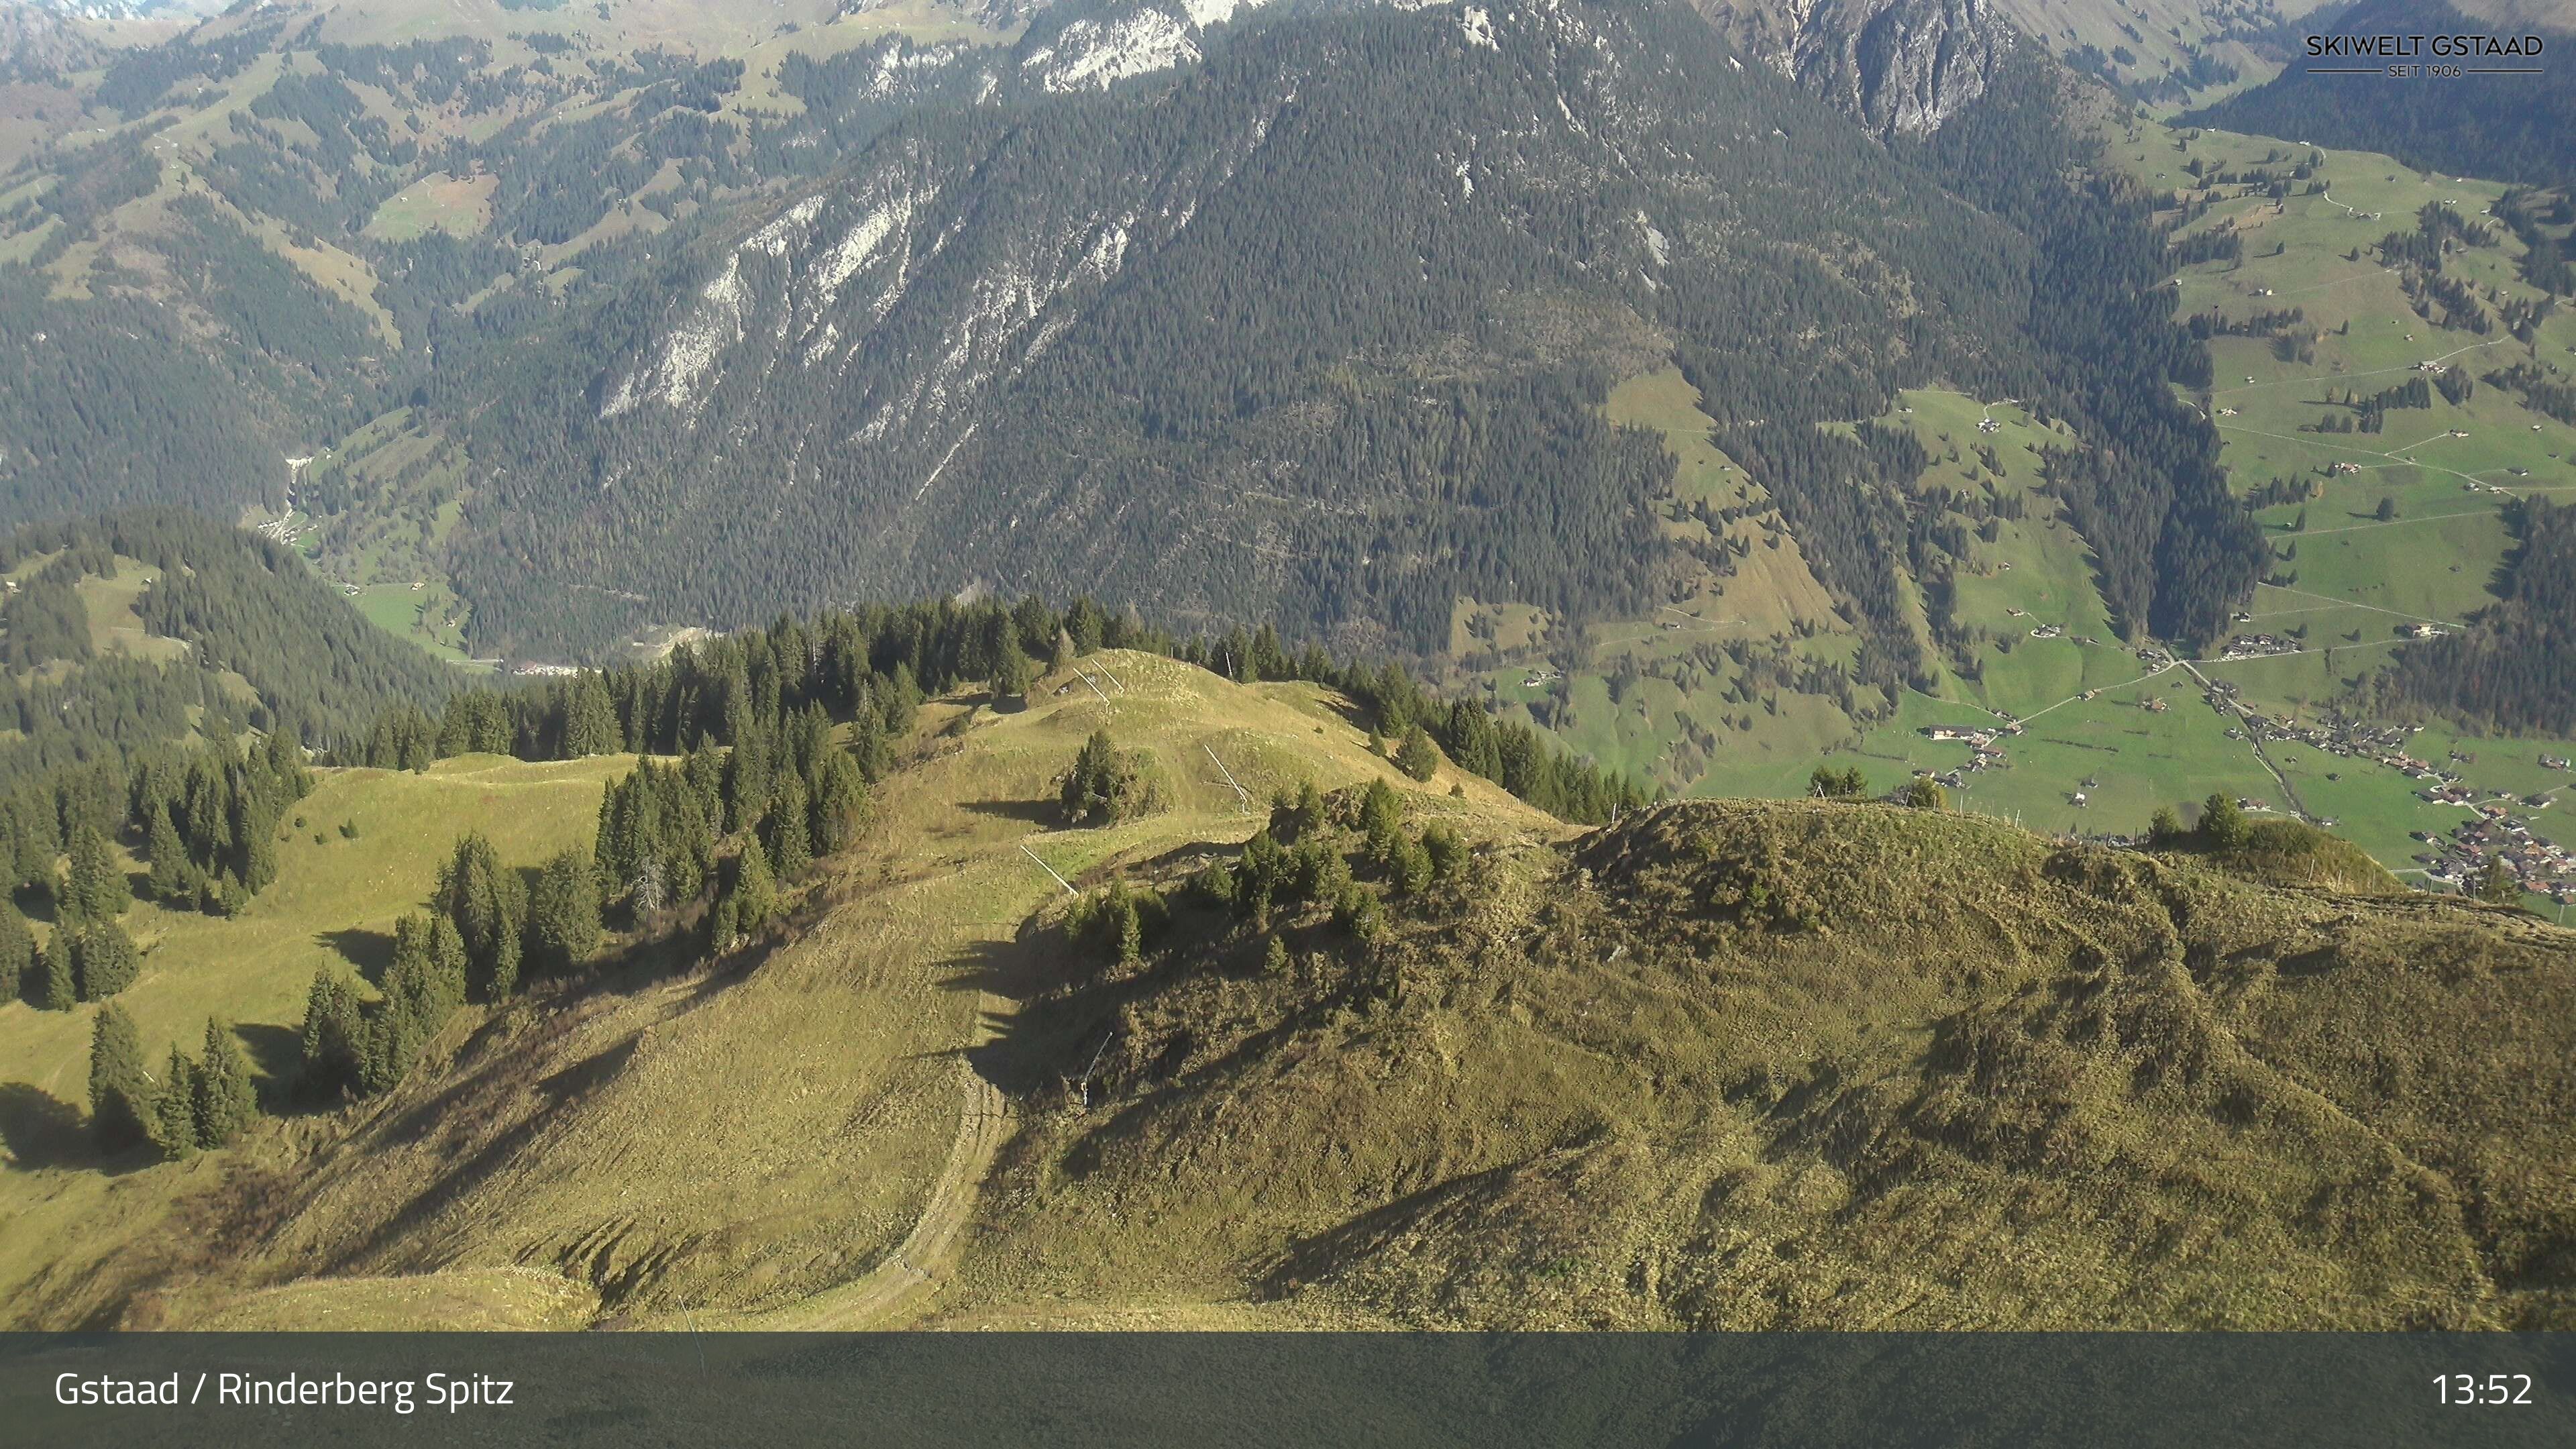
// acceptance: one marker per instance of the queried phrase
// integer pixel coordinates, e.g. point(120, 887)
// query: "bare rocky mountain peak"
point(1901, 67)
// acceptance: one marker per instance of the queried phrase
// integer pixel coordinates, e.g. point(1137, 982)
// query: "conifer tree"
point(450, 965)
point(489, 905)
point(901, 700)
point(613, 838)
point(120, 1090)
point(97, 890)
point(563, 912)
point(255, 828)
point(103, 959)
point(174, 875)
point(422, 988)
point(837, 793)
point(1126, 926)
point(704, 773)
point(334, 1032)
point(1307, 813)
point(1408, 868)
point(226, 1101)
point(1417, 756)
point(790, 851)
point(1446, 849)
point(753, 894)
point(689, 847)
point(174, 1109)
point(1105, 785)
point(590, 719)
point(61, 986)
point(1013, 675)
point(868, 746)
point(2222, 822)
point(21, 969)
point(1381, 818)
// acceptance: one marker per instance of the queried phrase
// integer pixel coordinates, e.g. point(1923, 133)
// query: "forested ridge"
point(242, 604)
point(761, 694)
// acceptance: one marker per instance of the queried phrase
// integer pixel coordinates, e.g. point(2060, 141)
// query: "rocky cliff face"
point(39, 46)
point(1900, 67)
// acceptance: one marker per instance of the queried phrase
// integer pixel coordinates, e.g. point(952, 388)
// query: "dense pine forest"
point(243, 608)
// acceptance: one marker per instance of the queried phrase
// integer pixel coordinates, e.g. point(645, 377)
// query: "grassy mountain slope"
point(739, 1139)
point(1994, 1083)
point(76, 1235)
point(1721, 1064)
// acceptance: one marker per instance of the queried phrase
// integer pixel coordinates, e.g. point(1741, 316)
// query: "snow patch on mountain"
point(1479, 27)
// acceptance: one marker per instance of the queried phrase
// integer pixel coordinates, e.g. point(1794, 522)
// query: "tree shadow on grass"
point(370, 952)
point(41, 1131)
point(1033, 812)
point(277, 1055)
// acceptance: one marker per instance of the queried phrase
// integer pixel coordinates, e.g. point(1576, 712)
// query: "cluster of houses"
point(2380, 744)
point(285, 530)
point(2460, 860)
point(1985, 748)
point(2258, 646)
